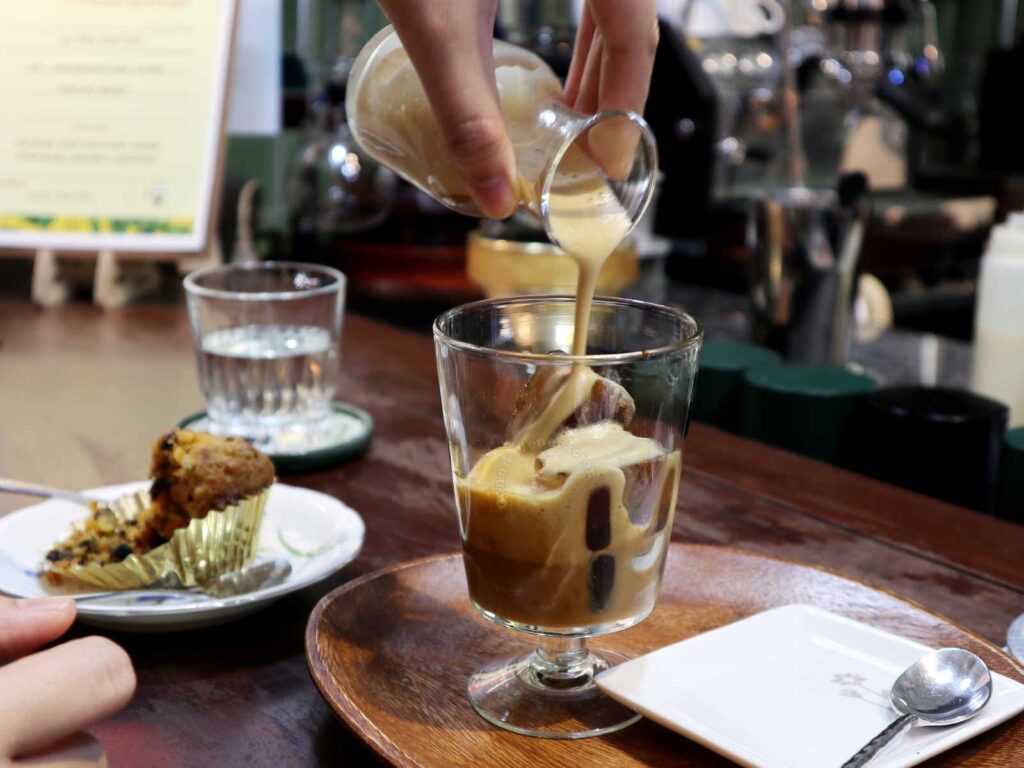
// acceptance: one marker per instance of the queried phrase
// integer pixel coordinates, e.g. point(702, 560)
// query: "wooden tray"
point(391, 652)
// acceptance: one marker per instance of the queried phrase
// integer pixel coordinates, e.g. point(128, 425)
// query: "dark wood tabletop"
point(83, 393)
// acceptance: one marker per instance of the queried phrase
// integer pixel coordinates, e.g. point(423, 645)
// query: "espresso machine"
point(810, 111)
point(863, 74)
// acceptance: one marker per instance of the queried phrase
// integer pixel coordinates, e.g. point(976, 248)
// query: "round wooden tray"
point(391, 652)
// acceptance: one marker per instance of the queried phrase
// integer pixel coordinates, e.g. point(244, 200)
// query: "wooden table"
point(83, 393)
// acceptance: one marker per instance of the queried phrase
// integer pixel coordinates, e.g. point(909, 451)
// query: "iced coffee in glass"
point(566, 470)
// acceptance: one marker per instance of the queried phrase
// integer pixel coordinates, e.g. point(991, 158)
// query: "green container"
point(1010, 484)
point(806, 409)
point(720, 383)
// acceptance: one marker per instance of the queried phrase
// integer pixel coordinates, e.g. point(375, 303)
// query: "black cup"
point(937, 441)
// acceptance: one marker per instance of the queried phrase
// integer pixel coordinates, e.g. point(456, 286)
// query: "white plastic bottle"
point(998, 368)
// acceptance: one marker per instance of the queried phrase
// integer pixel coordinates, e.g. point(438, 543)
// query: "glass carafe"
point(560, 155)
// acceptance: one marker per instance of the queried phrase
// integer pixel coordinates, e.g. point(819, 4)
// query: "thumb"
point(451, 50)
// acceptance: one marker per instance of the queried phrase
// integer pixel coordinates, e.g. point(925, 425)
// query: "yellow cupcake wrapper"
point(219, 543)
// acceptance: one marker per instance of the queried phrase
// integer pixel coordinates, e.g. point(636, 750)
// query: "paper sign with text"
point(111, 118)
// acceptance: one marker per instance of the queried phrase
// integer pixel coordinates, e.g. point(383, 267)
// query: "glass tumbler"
point(566, 471)
point(266, 340)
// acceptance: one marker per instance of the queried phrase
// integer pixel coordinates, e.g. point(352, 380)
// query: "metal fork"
point(24, 488)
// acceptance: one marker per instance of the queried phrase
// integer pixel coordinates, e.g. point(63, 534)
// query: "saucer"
point(792, 687)
point(316, 533)
point(341, 435)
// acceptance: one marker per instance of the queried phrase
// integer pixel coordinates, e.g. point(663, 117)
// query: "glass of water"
point(266, 339)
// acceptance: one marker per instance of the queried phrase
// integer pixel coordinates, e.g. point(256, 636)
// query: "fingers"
point(580, 54)
point(629, 32)
point(56, 692)
point(27, 624)
point(616, 76)
point(450, 44)
point(587, 98)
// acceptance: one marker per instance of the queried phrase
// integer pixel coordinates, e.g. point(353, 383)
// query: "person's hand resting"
point(50, 694)
point(449, 43)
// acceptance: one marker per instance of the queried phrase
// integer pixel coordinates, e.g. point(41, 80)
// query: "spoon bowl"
point(943, 687)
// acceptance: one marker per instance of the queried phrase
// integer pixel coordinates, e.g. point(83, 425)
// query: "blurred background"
point(833, 174)
point(919, 96)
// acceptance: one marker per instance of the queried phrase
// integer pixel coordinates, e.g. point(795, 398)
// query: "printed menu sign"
point(111, 121)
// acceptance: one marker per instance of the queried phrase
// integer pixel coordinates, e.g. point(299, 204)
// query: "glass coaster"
point(342, 435)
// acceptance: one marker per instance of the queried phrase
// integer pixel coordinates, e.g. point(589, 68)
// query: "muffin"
point(200, 517)
point(105, 537)
point(195, 472)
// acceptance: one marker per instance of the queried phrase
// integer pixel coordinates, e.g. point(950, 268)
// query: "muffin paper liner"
point(219, 543)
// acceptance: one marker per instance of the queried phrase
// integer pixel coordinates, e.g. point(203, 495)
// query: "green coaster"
point(343, 435)
point(720, 382)
point(803, 408)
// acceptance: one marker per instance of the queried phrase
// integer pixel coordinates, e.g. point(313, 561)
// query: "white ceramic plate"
point(317, 533)
point(793, 687)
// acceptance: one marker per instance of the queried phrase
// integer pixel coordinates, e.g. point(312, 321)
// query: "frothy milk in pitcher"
point(389, 113)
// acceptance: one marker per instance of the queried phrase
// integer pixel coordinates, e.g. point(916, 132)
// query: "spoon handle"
point(7, 485)
point(150, 596)
point(869, 750)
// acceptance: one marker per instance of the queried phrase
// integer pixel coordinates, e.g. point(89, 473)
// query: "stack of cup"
point(937, 441)
point(720, 390)
point(806, 409)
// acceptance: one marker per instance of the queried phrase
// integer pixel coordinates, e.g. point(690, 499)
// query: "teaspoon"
point(243, 581)
point(945, 687)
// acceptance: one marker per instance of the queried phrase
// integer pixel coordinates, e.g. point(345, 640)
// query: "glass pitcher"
point(561, 155)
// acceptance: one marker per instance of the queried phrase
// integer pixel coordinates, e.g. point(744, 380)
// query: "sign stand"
point(108, 290)
point(47, 289)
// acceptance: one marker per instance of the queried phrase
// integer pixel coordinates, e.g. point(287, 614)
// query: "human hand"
point(47, 695)
point(450, 44)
